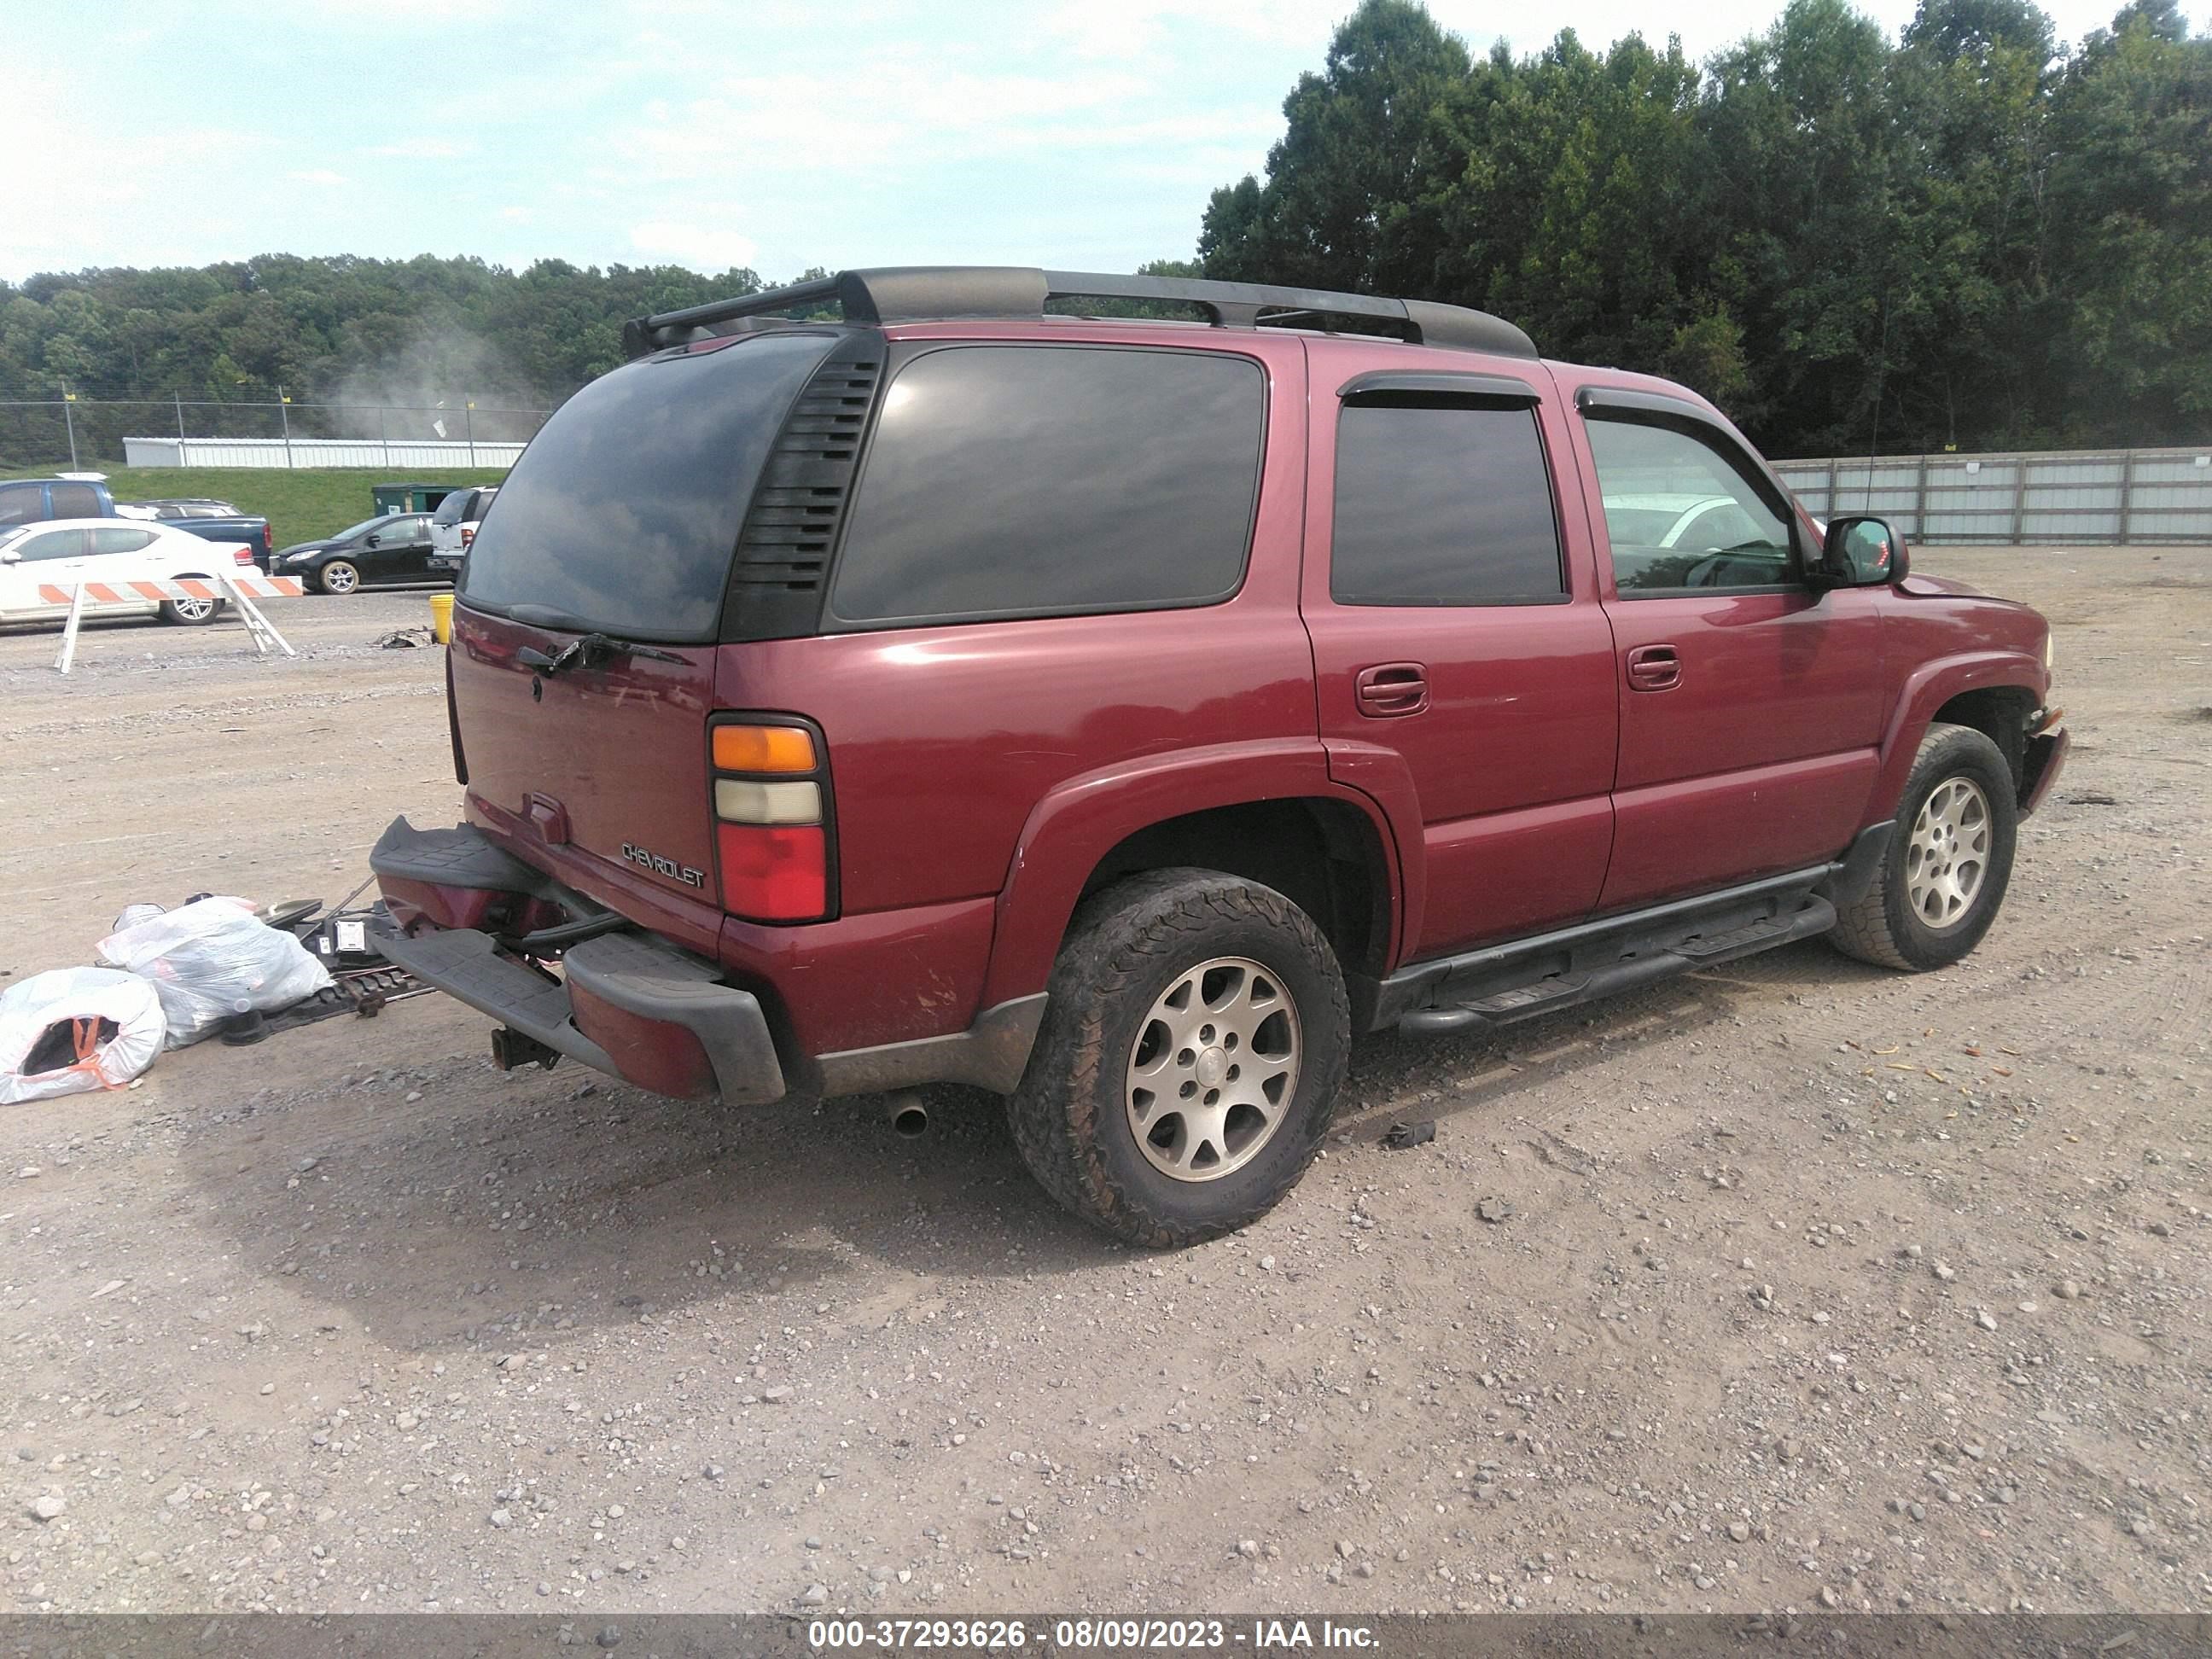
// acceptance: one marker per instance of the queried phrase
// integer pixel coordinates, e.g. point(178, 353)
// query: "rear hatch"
point(590, 608)
point(446, 523)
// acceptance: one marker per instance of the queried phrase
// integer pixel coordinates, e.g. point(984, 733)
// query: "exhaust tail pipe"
point(909, 1117)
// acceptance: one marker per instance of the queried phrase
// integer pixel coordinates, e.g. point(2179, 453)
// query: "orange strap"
point(84, 1036)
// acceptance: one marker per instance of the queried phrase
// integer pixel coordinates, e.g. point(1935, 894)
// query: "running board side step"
point(1520, 981)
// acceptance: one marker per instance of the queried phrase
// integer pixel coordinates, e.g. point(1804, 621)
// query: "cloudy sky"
point(1070, 133)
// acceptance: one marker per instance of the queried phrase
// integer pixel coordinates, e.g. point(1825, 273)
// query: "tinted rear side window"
point(1051, 480)
point(623, 512)
point(1443, 506)
point(76, 500)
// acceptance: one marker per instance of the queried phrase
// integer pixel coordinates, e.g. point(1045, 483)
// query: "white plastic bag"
point(212, 959)
point(82, 999)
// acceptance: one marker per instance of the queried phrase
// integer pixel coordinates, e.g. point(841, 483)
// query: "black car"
point(392, 548)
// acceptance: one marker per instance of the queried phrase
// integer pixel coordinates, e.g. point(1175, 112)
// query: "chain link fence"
point(51, 434)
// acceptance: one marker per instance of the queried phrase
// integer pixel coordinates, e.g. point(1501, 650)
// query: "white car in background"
point(454, 526)
point(62, 552)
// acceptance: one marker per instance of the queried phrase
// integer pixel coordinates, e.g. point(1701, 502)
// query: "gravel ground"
point(1795, 1283)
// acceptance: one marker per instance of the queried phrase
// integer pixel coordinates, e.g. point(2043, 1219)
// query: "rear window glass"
point(623, 514)
point(1053, 480)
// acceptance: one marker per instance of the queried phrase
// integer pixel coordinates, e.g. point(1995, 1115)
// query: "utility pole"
point(469, 421)
point(179, 397)
point(68, 418)
point(285, 413)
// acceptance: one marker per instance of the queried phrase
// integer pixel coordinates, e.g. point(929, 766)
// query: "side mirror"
point(376, 540)
point(11, 556)
point(1862, 553)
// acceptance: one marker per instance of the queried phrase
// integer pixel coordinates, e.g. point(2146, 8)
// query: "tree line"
point(335, 330)
point(1972, 236)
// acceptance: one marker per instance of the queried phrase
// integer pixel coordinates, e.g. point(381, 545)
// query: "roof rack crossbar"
point(747, 305)
point(918, 292)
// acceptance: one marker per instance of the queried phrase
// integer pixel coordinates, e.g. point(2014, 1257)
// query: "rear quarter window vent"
point(783, 551)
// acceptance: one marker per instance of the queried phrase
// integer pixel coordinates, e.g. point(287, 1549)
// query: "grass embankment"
point(299, 503)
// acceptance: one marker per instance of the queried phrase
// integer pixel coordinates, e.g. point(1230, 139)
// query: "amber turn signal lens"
point(763, 748)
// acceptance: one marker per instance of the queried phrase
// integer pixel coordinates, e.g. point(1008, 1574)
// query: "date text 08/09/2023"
point(1131, 1635)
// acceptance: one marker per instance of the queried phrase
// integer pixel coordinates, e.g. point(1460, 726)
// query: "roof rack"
point(903, 293)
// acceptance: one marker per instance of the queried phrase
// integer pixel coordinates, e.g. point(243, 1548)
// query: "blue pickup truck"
point(86, 495)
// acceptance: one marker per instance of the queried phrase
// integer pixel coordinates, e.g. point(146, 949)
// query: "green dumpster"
point(410, 497)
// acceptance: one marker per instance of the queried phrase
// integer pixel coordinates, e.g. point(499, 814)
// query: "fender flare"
point(1926, 689)
point(1082, 819)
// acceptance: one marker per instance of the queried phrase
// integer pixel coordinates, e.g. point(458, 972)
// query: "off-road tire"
point(1125, 948)
point(348, 582)
point(1882, 926)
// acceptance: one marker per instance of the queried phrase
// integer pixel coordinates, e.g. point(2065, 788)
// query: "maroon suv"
point(1122, 715)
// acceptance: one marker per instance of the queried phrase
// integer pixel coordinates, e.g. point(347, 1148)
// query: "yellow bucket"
point(442, 618)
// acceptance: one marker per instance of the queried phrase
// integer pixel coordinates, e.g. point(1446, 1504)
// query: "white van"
point(454, 526)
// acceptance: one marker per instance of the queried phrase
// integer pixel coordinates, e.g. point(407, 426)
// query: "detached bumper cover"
point(2040, 767)
point(651, 1013)
point(637, 974)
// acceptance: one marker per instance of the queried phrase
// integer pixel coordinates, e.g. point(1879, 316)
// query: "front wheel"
point(1191, 1055)
point(1945, 874)
point(338, 576)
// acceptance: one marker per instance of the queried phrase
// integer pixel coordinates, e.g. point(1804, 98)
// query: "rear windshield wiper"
point(589, 651)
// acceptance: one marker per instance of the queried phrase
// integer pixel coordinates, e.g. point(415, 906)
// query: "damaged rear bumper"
point(629, 1004)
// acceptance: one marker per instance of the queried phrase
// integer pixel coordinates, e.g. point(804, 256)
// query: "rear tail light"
point(268, 538)
point(785, 748)
point(774, 874)
point(740, 800)
point(243, 555)
point(468, 535)
point(772, 821)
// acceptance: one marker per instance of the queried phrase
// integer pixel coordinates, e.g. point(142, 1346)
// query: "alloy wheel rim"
point(1947, 857)
point(193, 610)
point(339, 580)
point(1214, 1069)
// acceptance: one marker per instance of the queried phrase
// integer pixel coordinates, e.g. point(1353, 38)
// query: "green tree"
point(1343, 206)
point(2132, 180)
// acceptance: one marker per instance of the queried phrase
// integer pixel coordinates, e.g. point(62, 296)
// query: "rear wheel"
point(338, 576)
point(190, 613)
point(1191, 1055)
point(1944, 876)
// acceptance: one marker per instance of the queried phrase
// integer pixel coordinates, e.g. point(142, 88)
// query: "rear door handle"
point(1654, 668)
point(1392, 689)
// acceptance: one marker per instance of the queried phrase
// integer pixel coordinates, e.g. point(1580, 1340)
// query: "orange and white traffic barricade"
point(241, 590)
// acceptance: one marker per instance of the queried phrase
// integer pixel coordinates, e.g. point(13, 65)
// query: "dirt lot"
point(1819, 1286)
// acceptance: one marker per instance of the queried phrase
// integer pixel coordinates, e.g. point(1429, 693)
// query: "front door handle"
point(1654, 668)
point(1391, 689)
